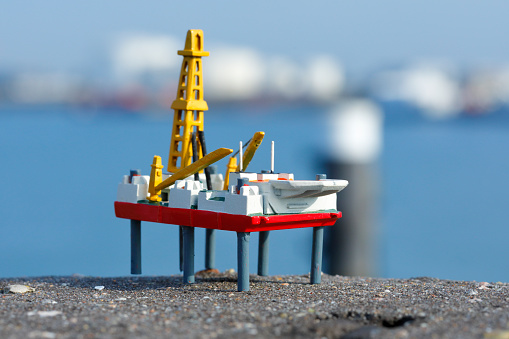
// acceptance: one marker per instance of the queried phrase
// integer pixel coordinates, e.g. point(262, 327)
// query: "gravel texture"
point(278, 306)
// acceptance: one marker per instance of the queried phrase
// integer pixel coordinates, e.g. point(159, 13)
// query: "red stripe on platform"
point(222, 221)
point(141, 212)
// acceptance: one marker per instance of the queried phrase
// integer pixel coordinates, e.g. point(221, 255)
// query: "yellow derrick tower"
point(189, 104)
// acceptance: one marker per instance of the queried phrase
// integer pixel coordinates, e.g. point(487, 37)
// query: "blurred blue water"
point(444, 190)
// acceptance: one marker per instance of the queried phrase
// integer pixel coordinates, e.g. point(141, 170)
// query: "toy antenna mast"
point(272, 157)
point(241, 155)
point(189, 104)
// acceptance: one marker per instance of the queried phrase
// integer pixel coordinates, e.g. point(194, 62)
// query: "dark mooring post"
point(243, 261)
point(181, 249)
point(135, 247)
point(263, 253)
point(210, 249)
point(188, 254)
point(316, 255)
point(355, 141)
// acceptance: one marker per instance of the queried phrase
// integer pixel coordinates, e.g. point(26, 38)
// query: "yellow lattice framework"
point(189, 104)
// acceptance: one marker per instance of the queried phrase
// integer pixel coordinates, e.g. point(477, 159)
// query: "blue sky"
point(364, 35)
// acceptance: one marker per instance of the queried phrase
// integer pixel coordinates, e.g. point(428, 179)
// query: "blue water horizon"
point(442, 205)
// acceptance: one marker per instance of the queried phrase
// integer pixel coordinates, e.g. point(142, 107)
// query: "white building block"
point(248, 202)
point(135, 191)
point(212, 200)
point(184, 194)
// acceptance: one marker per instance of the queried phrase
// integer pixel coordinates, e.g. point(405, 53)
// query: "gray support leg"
point(135, 247)
point(263, 253)
point(210, 249)
point(181, 249)
point(188, 254)
point(316, 256)
point(243, 261)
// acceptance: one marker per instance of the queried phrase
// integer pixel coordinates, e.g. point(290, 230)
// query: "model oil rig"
point(241, 202)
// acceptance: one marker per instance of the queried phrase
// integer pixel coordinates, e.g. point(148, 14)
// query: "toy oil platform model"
point(243, 202)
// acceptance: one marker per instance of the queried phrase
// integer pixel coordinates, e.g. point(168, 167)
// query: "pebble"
point(42, 334)
point(484, 286)
point(18, 289)
point(49, 301)
point(99, 288)
point(44, 314)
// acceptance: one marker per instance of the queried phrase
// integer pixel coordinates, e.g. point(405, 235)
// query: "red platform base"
point(221, 221)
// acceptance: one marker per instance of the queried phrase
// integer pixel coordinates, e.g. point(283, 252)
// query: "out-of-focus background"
point(406, 100)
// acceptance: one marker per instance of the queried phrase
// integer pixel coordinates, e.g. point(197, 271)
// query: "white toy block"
point(127, 193)
point(184, 194)
point(247, 202)
point(212, 200)
point(135, 191)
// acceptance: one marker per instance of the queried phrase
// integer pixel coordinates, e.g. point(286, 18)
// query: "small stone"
point(49, 301)
point(18, 289)
point(484, 285)
point(42, 334)
point(99, 288)
point(285, 284)
point(44, 314)
point(230, 271)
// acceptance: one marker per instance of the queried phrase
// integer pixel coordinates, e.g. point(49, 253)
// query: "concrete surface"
point(278, 306)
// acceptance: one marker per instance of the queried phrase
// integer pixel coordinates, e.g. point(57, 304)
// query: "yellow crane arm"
point(232, 166)
point(253, 145)
point(197, 166)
